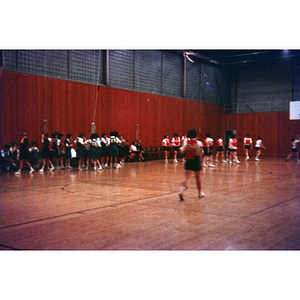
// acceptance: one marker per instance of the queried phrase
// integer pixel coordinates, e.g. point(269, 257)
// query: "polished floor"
point(248, 206)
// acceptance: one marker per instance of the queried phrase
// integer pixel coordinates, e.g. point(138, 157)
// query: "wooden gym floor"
point(250, 206)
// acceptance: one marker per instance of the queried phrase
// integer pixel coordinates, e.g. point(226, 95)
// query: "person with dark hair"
point(114, 149)
point(81, 142)
point(123, 150)
point(220, 149)
point(141, 149)
point(167, 145)
point(59, 154)
point(68, 146)
point(24, 154)
point(208, 143)
point(192, 150)
point(258, 146)
point(5, 159)
point(94, 153)
point(232, 147)
point(14, 153)
point(293, 149)
point(104, 150)
point(176, 142)
point(35, 158)
point(46, 153)
point(247, 145)
point(133, 152)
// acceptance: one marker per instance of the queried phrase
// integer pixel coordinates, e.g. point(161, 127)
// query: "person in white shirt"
point(247, 145)
point(294, 149)
point(104, 150)
point(258, 146)
point(176, 142)
point(81, 142)
point(167, 146)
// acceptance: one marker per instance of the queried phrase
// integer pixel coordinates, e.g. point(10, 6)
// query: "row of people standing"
point(208, 160)
point(100, 152)
point(229, 155)
point(107, 151)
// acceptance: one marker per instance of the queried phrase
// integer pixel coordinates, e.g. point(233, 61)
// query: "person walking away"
point(192, 151)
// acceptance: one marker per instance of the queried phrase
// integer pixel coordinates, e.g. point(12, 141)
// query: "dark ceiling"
point(242, 58)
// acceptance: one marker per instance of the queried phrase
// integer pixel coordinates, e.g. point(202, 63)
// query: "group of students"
point(111, 151)
point(16, 155)
point(231, 153)
point(106, 151)
point(99, 152)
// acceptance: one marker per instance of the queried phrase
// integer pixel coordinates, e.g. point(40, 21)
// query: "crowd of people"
point(98, 152)
point(111, 151)
point(228, 155)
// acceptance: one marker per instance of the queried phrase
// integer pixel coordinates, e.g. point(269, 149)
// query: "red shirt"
point(233, 143)
point(219, 142)
point(191, 149)
point(176, 141)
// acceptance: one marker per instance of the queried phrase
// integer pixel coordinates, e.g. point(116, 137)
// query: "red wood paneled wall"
point(275, 129)
point(71, 107)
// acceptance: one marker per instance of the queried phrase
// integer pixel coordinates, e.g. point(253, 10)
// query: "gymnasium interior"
point(145, 94)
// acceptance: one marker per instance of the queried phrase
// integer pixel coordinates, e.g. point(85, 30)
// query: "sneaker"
point(247, 158)
point(18, 172)
point(175, 161)
point(166, 161)
point(181, 196)
point(51, 169)
point(211, 165)
point(41, 170)
point(257, 159)
point(237, 161)
point(201, 195)
point(100, 168)
point(79, 169)
point(95, 168)
point(31, 170)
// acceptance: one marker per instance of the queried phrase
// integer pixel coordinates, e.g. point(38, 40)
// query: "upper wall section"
point(159, 72)
point(268, 88)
